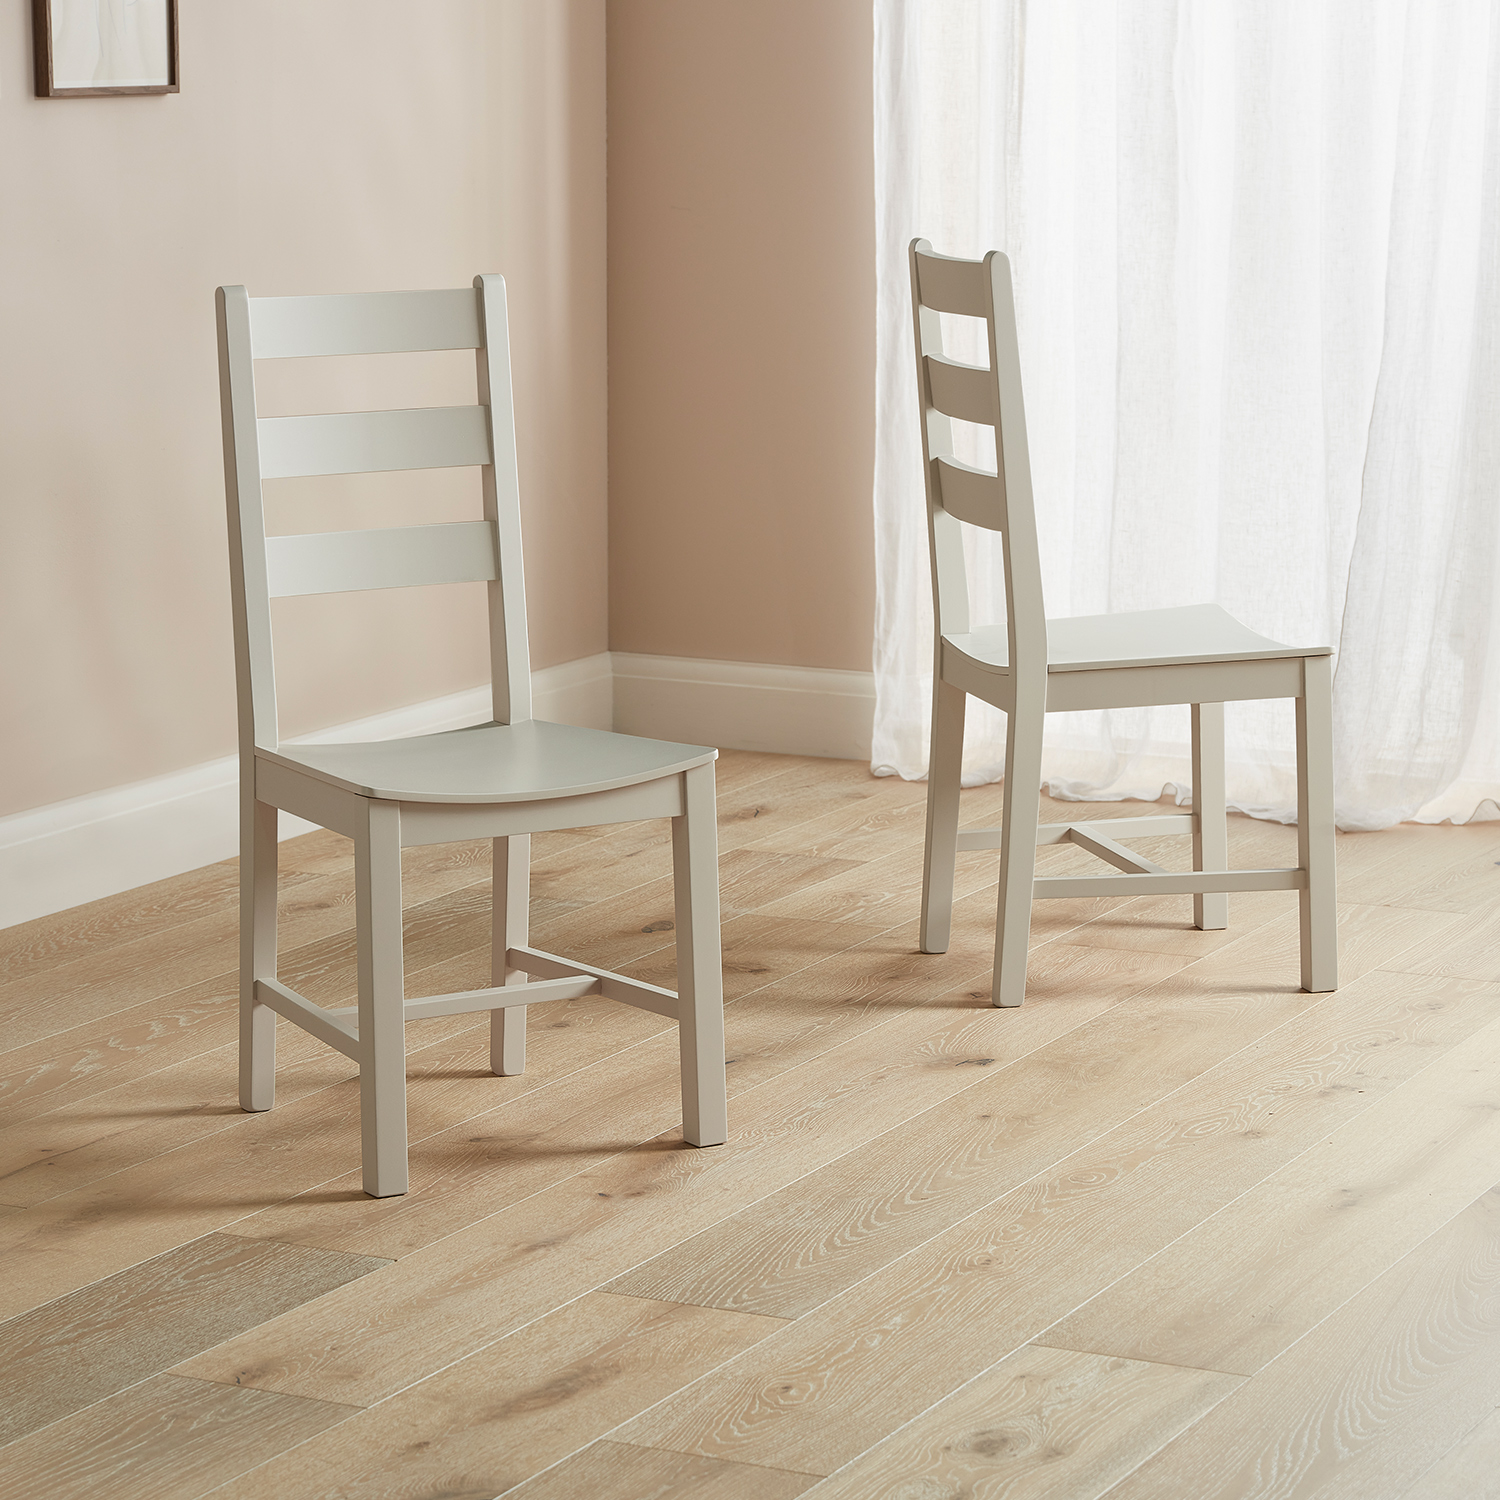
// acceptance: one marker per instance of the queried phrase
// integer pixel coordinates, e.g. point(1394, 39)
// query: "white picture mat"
point(110, 44)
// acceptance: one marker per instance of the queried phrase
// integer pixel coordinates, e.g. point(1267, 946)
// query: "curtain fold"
point(1255, 250)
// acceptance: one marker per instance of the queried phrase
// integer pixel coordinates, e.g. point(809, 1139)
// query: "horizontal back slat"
point(963, 391)
point(335, 562)
point(363, 323)
point(368, 442)
point(971, 494)
point(953, 286)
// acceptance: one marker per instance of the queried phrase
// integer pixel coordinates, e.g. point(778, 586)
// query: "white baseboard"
point(70, 852)
point(738, 705)
point(63, 855)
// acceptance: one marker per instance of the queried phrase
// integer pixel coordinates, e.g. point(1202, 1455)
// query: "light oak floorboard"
point(760, 951)
point(633, 854)
point(1364, 1404)
point(860, 831)
point(882, 890)
point(491, 1161)
point(171, 1108)
point(1070, 1069)
point(78, 1235)
point(165, 1439)
point(833, 1383)
point(61, 1070)
point(848, 1051)
point(736, 769)
point(640, 921)
point(501, 1151)
point(1464, 886)
point(70, 1238)
point(1469, 1470)
point(1042, 1424)
point(96, 985)
point(68, 1354)
point(1469, 948)
point(164, 1105)
point(873, 830)
point(491, 1421)
point(30, 948)
point(806, 810)
point(1440, 869)
point(622, 1471)
point(543, 1250)
point(1241, 1287)
point(463, 1291)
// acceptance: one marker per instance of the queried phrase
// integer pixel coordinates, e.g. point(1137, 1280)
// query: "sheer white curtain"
point(1255, 247)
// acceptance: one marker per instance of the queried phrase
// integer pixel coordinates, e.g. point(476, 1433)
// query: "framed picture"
point(88, 48)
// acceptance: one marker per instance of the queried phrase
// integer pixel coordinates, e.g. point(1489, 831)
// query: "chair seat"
point(1141, 638)
point(492, 763)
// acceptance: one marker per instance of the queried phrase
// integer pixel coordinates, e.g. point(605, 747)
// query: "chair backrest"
point(258, 448)
point(956, 491)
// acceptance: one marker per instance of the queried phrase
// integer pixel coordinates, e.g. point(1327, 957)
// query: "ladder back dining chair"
point(1032, 666)
point(503, 780)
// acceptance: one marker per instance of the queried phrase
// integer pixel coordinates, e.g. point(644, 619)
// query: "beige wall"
point(741, 330)
point(346, 145)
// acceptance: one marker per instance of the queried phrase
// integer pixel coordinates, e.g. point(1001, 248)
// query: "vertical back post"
point(1025, 611)
point(254, 668)
point(950, 586)
point(510, 653)
point(255, 684)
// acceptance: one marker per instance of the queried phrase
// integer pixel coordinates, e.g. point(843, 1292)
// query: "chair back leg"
point(382, 1001)
point(510, 919)
point(700, 969)
point(1318, 899)
point(944, 778)
point(1210, 828)
point(258, 852)
point(1018, 821)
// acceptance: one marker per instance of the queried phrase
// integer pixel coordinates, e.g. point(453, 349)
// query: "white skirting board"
point(65, 854)
point(744, 705)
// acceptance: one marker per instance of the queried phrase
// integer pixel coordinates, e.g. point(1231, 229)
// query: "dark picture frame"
point(42, 41)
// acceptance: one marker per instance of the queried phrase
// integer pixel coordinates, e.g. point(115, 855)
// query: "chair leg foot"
point(508, 1041)
point(257, 1056)
point(944, 772)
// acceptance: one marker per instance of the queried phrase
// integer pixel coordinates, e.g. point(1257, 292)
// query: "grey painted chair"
point(503, 780)
point(1031, 666)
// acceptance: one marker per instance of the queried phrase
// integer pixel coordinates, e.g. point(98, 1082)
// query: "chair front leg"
point(700, 971)
point(944, 773)
point(382, 1000)
point(1018, 822)
point(1318, 899)
point(510, 918)
point(1210, 827)
point(258, 853)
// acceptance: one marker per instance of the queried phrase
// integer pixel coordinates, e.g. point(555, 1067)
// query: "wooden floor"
point(1172, 1229)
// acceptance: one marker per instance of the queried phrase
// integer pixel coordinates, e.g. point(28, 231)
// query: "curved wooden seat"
point(490, 763)
point(1188, 635)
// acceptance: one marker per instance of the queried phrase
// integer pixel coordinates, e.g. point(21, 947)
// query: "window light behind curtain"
point(1258, 274)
